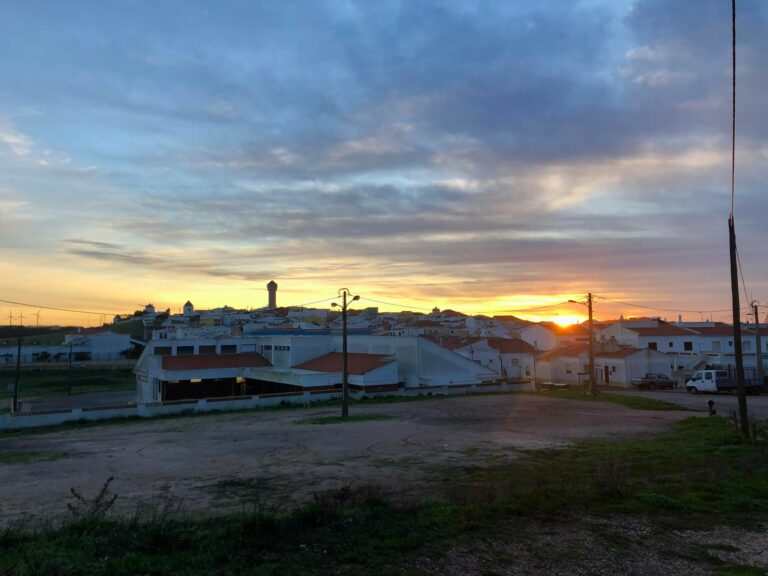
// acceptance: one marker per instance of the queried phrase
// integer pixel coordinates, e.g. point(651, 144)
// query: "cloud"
point(518, 147)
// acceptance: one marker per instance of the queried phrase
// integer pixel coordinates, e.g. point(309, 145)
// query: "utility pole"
point(69, 372)
point(758, 346)
point(740, 385)
point(345, 369)
point(344, 292)
point(18, 374)
point(592, 381)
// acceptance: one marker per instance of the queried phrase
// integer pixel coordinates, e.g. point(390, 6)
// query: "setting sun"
point(567, 320)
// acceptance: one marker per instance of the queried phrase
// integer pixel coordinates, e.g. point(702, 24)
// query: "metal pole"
point(740, 387)
point(69, 372)
point(592, 382)
point(759, 348)
point(18, 375)
point(345, 373)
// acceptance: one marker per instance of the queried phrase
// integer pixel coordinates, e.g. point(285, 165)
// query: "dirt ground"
point(233, 459)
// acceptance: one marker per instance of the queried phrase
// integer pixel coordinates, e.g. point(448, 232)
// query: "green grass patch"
point(740, 570)
point(700, 473)
point(635, 402)
point(322, 420)
point(40, 382)
point(25, 457)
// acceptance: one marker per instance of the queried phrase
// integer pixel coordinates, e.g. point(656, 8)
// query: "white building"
point(228, 365)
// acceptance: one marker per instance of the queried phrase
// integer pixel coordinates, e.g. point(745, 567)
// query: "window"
point(514, 362)
point(688, 346)
point(568, 369)
point(671, 345)
point(730, 343)
point(747, 345)
point(208, 349)
point(716, 345)
point(652, 346)
point(266, 347)
point(228, 348)
point(613, 369)
point(185, 350)
point(162, 350)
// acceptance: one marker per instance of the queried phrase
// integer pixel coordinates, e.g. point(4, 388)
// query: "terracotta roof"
point(451, 313)
point(719, 329)
point(427, 324)
point(663, 329)
point(513, 319)
point(621, 353)
point(358, 363)
point(511, 345)
point(214, 361)
point(571, 351)
point(456, 343)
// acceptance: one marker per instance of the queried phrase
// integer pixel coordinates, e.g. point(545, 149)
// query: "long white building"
point(183, 368)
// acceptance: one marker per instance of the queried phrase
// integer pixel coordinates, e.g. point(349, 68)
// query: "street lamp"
point(592, 381)
point(344, 293)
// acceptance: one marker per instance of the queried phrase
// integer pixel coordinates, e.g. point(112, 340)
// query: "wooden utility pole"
point(18, 374)
point(592, 380)
point(345, 362)
point(758, 346)
point(740, 385)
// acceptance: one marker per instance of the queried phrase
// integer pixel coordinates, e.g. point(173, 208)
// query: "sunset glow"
point(205, 154)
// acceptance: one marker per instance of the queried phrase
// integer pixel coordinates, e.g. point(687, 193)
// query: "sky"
point(483, 156)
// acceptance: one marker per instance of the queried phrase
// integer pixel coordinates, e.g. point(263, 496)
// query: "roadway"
point(724, 403)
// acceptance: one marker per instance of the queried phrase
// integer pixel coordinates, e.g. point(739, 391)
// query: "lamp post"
point(344, 293)
point(592, 381)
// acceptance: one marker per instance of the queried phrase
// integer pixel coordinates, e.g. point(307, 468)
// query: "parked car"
point(654, 381)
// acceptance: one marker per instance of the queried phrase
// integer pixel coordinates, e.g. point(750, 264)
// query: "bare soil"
point(230, 460)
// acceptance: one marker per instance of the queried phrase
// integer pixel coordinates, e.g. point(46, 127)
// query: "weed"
point(92, 508)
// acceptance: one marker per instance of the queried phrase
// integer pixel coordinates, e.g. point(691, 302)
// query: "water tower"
point(272, 289)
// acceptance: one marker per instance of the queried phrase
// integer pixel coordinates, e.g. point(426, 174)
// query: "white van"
point(709, 381)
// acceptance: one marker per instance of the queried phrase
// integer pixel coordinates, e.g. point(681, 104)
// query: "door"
point(607, 378)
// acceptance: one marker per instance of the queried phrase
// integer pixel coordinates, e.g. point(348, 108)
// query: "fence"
point(151, 409)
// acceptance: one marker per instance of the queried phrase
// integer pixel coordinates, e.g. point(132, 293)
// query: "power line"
point(57, 309)
point(315, 302)
point(543, 307)
point(733, 106)
point(662, 309)
point(741, 273)
point(399, 305)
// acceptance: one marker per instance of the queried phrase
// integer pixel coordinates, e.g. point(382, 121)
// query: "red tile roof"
point(511, 345)
point(570, 351)
point(214, 361)
point(663, 329)
point(621, 353)
point(358, 363)
point(456, 343)
point(451, 314)
point(719, 329)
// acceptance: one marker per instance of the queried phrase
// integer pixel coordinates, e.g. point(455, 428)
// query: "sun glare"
point(567, 320)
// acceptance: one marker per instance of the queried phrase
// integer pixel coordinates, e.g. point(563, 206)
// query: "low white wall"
point(151, 409)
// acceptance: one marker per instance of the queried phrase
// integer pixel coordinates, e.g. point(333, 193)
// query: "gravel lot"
point(224, 460)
